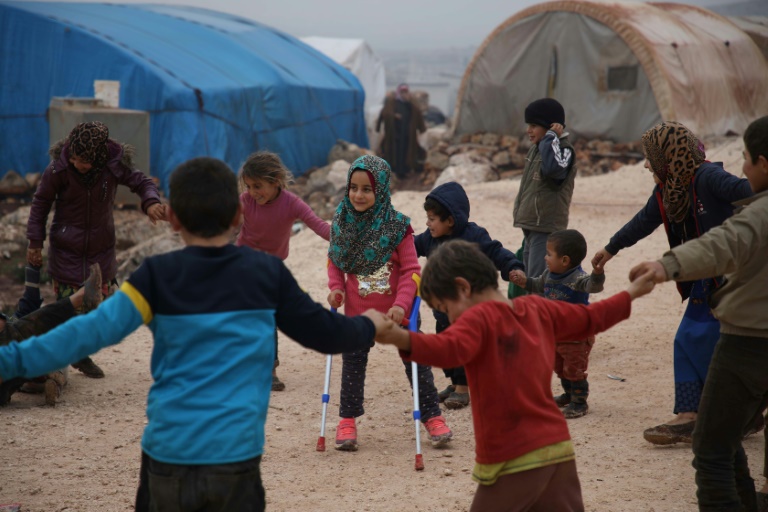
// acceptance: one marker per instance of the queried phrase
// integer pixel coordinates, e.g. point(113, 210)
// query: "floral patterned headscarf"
point(674, 153)
point(89, 142)
point(362, 242)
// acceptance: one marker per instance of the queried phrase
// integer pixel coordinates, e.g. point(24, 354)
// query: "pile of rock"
point(505, 154)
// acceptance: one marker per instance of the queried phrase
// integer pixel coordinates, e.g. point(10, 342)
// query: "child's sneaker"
point(439, 433)
point(563, 400)
point(444, 394)
point(575, 410)
point(346, 435)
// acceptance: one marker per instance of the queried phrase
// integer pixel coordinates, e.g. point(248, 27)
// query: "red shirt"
point(508, 353)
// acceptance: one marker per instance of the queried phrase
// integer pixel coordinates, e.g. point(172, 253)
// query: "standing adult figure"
point(403, 121)
point(82, 180)
point(691, 196)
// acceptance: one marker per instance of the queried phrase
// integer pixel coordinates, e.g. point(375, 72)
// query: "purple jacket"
point(83, 228)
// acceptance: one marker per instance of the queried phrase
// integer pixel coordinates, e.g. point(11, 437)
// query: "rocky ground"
point(83, 455)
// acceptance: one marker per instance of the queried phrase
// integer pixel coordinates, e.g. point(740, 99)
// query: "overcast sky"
point(392, 24)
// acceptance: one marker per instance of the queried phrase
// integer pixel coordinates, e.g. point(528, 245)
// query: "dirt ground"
point(83, 455)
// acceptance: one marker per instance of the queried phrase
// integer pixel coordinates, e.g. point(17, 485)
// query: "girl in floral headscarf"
point(373, 264)
point(82, 180)
point(691, 196)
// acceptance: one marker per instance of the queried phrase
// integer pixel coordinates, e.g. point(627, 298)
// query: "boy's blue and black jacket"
point(453, 198)
point(212, 312)
point(712, 192)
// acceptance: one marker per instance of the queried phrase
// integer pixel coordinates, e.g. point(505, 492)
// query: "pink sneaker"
point(346, 435)
point(439, 433)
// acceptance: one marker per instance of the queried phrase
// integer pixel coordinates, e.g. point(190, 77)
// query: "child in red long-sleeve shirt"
point(524, 454)
point(269, 212)
point(372, 264)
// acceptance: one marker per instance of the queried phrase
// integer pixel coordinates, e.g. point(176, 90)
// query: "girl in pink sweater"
point(372, 264)
point(269, 212)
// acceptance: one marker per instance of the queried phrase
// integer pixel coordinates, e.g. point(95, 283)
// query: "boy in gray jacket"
point(546, 187)
point(736, 389)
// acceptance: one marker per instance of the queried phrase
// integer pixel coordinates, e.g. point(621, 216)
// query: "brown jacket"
point(736, 249)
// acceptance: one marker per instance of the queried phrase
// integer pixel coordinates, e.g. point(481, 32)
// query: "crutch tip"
point(419, 462)
point(320, 444)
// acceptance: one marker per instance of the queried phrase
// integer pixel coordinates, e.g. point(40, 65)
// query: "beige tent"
point(756, 27)
point(618, 68)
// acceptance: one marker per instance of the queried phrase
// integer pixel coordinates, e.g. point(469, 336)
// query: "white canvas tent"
point(618, 68)
point(358, 57)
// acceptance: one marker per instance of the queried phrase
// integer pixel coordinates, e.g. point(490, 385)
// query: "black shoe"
point(575, 410)
point(277, 384)
point(563, 400)
point(8, 388)
point(88, 368)
point(444, 394)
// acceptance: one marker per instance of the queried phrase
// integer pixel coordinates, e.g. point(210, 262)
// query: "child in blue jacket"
point(447, 208)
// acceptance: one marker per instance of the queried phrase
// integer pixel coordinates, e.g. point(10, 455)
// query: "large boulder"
point(348, 151)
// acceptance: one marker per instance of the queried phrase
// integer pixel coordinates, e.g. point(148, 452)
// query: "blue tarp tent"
point(214, 84)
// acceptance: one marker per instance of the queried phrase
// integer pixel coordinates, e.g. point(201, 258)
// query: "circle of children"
point(716, 223)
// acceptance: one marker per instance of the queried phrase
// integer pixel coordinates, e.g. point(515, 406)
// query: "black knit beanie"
point(544, 112)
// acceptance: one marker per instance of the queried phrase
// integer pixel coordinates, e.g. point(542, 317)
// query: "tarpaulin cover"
point(674, 62)
point(214, 84)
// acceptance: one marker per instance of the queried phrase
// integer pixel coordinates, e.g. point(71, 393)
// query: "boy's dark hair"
point(203, 195)
point(267, 166)
point(571, 243)
point(756, 138)
point(457, 258)
point(434, 206)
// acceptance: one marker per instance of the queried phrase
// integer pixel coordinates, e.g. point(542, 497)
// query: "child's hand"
point(380, 322)
point(557, 128)
point(655, 268)
point(518, 277)
point(396, 313)
point(600, 259)
point(156, 212)
point(336, 298)
point(598, 271)
point(642, 282)
point(35, 257)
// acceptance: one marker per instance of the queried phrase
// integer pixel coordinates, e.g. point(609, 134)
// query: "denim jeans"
point(233, 487)
point(736, 390)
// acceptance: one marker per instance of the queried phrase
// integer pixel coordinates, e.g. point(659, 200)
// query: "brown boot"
point(92, 297)
point(54, 384)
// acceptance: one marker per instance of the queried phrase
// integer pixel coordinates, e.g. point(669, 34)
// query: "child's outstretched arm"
point(310, 218)
point(518, 277)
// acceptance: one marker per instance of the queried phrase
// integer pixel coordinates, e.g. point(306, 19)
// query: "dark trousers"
point(353, 386)
point(457, 375)
point(547, 489)
point(534, 250)
point(204, 488)
point(735, 392)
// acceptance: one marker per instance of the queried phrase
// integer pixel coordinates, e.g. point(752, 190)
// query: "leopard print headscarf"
point(89, 142)
point(674, 153)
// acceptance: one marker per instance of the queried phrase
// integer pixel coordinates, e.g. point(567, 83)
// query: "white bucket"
point(108, 91)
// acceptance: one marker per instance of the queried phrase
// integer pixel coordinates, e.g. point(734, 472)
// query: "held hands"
point(653, 268)
point(396, 314)
point(557, 128)
point(518, 277)
point(601, 258)
point(336, 298)
point(388, 332)
point(642, 284)
point(156, 212)
point(35, 257)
